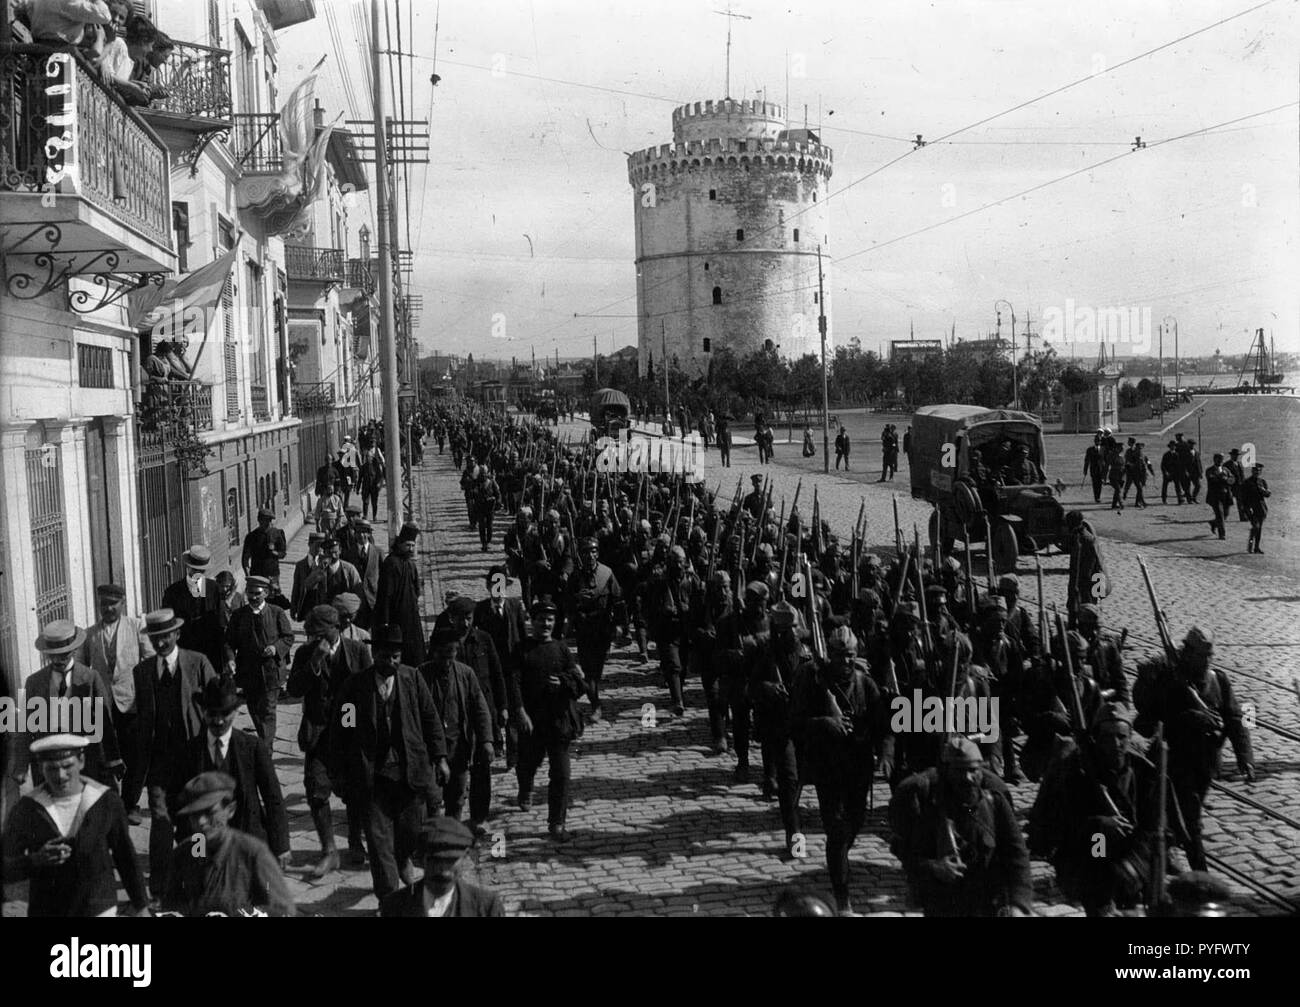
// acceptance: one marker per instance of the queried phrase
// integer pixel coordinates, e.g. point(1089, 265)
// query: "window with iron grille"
point(94, 366)
point(48, 532)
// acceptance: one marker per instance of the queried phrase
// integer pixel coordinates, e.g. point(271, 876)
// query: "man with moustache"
point(466, 723)
point(258, 641)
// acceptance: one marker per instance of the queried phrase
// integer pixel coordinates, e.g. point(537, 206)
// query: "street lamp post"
point(1015, 378)
point(1177, 363)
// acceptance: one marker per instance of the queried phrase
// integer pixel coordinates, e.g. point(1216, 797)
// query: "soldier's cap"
point(1201, 639)
point(115, 591)
point(961, 751)
point(1198, 888)
point(1078, 643)
point(322, 616)
point(1089, 612)
point(387, 638)
point(869, 596)
point(443, 636)
point(444, 838)
point(842, 642)
point(588, 543)
point(346, 603)
point(205, 791)
point(952, 565)
point(1008, 582)
point(161, 622)
point(267, 513)
point(756, 589)
point(765, 549)
point(197, 557)
point(315, 537)
point(697, 534)
point(60, 636)
point(219, 695)
point(645, 526)
point(783, 615)
point(552, 514)
point(57, 746)
point(543, 606)
point(910, 609)
point(409, 532)
point(871, 559)
point(461, 605)
point(756, 480)
point(937, 593)
point(1111, 713)
point(993, 603)
point(253, 581)
point(677, 552)
point(721, 578)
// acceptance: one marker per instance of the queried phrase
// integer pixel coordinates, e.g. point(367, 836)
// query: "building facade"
point(729, 219)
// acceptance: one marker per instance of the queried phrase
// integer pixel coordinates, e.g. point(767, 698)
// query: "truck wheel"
point(1005, 548)
point(967, 503)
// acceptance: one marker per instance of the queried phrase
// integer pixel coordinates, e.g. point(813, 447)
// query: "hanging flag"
point(184, 305)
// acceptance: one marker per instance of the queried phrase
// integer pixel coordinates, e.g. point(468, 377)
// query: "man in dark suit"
point(444, 844)
point(387, 742)
point(366, 558)
point(397, 598)
point(320, 667)
point(257, 648)
point(79, 703)
point(466, 723)
point(167, 720)
point(301, 571)
point(259, 803)
point(504, 620)
point(264, 547)
point(196, 601)
point(231, 600)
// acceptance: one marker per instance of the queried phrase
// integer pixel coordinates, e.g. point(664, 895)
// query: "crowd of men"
point(1228, 481)
point(801, 642)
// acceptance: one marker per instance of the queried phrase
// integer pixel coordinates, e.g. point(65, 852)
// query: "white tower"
point(729, 217)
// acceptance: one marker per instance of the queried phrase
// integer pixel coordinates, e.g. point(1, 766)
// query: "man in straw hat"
point(67, 836)
point(196, 601)
point(168, 720)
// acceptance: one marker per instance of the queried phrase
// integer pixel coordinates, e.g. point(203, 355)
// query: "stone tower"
point(728, 220)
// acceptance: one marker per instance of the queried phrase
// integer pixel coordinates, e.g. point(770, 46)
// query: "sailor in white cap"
point(67, 836)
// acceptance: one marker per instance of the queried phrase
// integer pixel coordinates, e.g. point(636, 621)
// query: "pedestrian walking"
point(1254, 501)
point(842, 449)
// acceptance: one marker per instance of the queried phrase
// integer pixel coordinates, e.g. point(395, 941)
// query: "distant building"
point(919, 350)
point(729, 218)
point(979, 350)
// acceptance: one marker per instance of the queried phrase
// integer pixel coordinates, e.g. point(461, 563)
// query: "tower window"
point(814, 197)
point(717, 295)
point(713, 193)
point(740, 234)
point(796, 235)
point(706, 267)
point(706, 344)
point(767, 344)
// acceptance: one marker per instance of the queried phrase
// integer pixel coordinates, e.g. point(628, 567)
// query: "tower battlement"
point(772, 155)
point(727, 117)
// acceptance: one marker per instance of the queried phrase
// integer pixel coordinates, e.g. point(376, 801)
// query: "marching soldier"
point(956, 834)
point(707, 657)
point(595, 602)
point(1103, 655)
point(743, 637)
point(773, 677)
point(674, 595)
point(485, 498)
point(1086, 565)
point(519, 547)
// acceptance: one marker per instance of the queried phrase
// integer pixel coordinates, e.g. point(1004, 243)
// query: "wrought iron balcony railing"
point(359, 276)
point(261, 403)
point(313, 397)
point(255, 142)
point(170, 407)
point(197, 82)
point(64, 131)
point(307, 262)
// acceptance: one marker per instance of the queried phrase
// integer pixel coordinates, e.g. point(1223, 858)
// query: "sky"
point(522, 221)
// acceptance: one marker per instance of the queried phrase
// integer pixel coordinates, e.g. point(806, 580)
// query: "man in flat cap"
point(548, 685)
point(366, 558)
point(397, 599)
point(956, 835)
point(217, 869)
point(259, 801)
point(167, 687)
point(1253, 502)
point(466, 723)
point(1196, 704)
point(320, 667)
point(444, 847)
point(840, 721)
point(258, 642)
point(66, 837)
point(1105, 790)
point(264, 546)
point(113, 647)
point(299, 604)
point(388, 751)
point(197, 604)
point(77, 701)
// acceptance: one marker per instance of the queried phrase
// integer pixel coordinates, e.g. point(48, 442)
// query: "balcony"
point(85, 184)
point(173, 408)
point(255, 143)
point(309, 264)
point(359, 277)
point(316, 397)
point(197, 81)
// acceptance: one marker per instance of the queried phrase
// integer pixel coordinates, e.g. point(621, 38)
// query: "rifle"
point(1156, 898)
point(795, 504)
point(1042, 613)
point(938, 530)
point(926, 638)
point(898, 530)
point(902, 579)
point(988, 550)
point(970, 574)
point(814, 624)
point(785, 557)
point(1076, 704)
point(737, 580)
point(1162, 624)
point(708, 583)
point(817, 526)
point(858, 530)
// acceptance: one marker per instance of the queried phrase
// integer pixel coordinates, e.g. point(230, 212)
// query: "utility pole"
point(1015, 378)
point(821, 328)
point(595, 359)
point(388, 334)
point(1161, 329)
point(663, 349)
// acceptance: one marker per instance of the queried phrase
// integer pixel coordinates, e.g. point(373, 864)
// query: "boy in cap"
point(66, 837)
point(320, 667)
point(217, 869)
point(444, 846)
